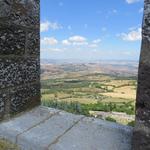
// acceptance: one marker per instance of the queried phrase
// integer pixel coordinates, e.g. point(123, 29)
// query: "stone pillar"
point(19, 56)
point(141, 135)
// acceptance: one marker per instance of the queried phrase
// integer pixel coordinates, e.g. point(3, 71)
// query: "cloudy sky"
point(91, 29)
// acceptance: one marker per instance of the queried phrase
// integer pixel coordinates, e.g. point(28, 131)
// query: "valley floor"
point(81, 93)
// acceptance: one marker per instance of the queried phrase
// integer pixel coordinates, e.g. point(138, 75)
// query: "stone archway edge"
point(141, 136)
point(20, 66)
point(19, 56)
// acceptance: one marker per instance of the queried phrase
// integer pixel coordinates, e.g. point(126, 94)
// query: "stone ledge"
point(49, 129)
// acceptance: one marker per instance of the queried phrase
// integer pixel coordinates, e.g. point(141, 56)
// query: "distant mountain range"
point(70, 61)
point(54, 68)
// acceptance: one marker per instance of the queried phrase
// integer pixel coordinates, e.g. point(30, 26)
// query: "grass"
point(80, 94)
point(6, 145)
point(110, 119)
point(76, 107)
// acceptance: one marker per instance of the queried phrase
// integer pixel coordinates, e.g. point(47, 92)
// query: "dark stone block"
point(141, 136)
point(25, 13)
point(33, 42)
point(5, 8)
point(141, 140)
point(19, 56)
point(33, 15)
point(24, 97)
point(19, 12)
point(3, 98)
point(17, 71)
point(143, 116)
point(12, 41)
point(143, 95)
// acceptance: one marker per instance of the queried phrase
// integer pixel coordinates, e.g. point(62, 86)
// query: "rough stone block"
point(19, 55)
point(141, 135)
point(141, 140)
point(11, 129)
point(25, 13)
point(33, 42)
point(12, 40)
point(3, 98)
point(24, 97)
point(20, 12)
point(48, 131)
point(104, 135)
point(17, 71)
point(33, 14)
point(5, 8)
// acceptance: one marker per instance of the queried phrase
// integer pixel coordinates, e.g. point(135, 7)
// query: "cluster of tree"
point(77, 108)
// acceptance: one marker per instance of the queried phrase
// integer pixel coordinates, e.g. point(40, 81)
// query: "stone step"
point(49, 129)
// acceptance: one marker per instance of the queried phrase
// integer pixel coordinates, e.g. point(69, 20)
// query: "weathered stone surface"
point(141, 136)
point(19, 56)
point(141, 140)
point(33, 14)
point(44, 128)
point(93, 134)
point(3, 98)
point(33, 42)
point(20, 12)
point(5, 6)
point(48, 131)
point(24, 97)
point(22, 124)
point(25, 13)
point(12, 40)
point(17, 71)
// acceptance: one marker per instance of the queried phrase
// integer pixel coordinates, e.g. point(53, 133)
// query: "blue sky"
point(91, 29)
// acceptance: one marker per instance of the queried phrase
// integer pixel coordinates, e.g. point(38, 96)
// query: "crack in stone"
point(42, 121)
point(57, 139)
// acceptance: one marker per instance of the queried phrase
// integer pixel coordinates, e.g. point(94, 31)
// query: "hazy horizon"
point(104, 61)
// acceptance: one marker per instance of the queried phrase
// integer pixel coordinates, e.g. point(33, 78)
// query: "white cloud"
point(132, 1)
point(80, 43)
point(49, 41)
point(66, 42)
point(94, 43)
point(55, 26)
point(77, 38)
point(132, 35)
point(97, 41)
point(45, 26)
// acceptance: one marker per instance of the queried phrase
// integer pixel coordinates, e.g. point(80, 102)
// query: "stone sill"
point(45, 128)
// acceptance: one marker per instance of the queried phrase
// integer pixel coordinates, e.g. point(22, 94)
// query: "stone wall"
point(141, 137)
point(19, 56)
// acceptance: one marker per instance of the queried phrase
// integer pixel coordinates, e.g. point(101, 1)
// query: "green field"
point(6, 145)
point(92, 92)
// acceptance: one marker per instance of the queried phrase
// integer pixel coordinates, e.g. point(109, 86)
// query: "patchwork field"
point(81, 92)
point(90, 89)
